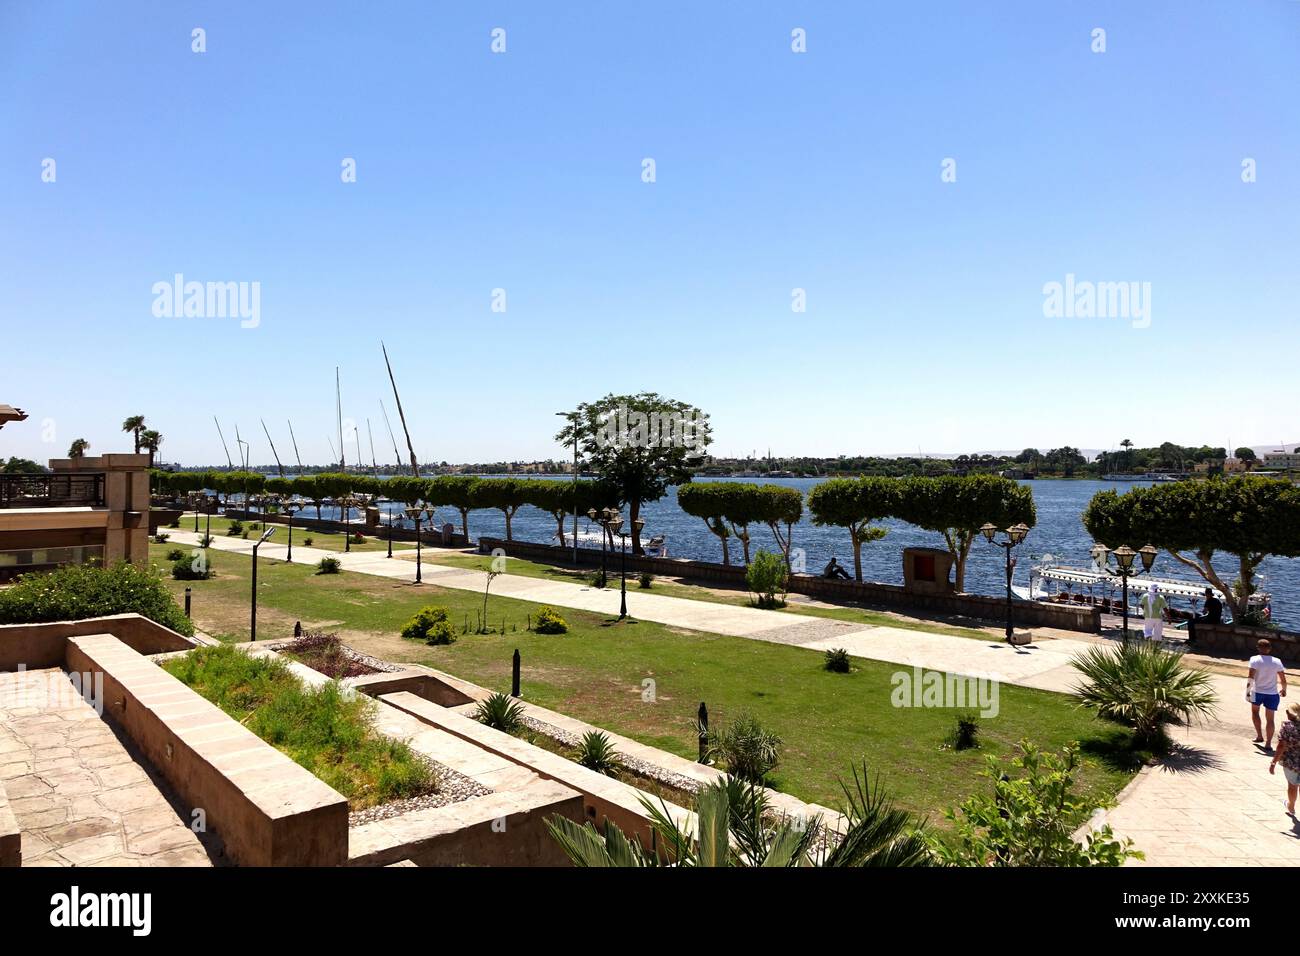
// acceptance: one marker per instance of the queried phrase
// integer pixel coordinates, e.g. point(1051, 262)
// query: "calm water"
point(1059, 533)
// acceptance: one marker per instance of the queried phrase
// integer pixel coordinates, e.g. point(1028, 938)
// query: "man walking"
point(1265, 687)
point(1153, 605)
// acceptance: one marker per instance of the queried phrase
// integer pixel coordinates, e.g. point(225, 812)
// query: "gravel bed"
point(453, 787)
point(352, 654)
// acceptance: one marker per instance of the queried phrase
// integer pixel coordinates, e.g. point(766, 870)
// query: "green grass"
point(325, 540)
point(323, 730)
point(597, 671)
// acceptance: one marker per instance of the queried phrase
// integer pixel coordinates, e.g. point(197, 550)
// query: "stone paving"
point(79, 796)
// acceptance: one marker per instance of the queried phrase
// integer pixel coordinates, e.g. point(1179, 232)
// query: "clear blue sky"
point(924, 326)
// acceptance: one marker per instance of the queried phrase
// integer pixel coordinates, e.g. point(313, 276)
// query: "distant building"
point(1283, 460)
point(1216, 466)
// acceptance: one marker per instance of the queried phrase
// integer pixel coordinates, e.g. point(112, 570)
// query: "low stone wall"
point(1240, 641)
point(891, 596)
point(267, 810)
point(373, 532)
point(11, 838)
point(410, 681)
point(44, 645)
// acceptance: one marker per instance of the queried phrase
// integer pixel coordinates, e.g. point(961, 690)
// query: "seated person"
point(1213, 614)
point(833, 570)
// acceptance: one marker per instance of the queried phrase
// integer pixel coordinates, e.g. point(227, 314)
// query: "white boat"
point(1090, 585)
point(592, 537)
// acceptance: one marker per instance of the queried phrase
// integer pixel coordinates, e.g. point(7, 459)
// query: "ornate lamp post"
point(1124, 556)
point(346, 503)
point(1014, 535)
point(605, 518)
point(390, 532)
point(417, 514)
point(252, 620)
point(290, 507)
point(616, 526)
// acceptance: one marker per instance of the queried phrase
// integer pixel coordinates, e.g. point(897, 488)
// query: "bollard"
point(297, 628)
point(187, 602)
point(703, 721)
point(514, 675)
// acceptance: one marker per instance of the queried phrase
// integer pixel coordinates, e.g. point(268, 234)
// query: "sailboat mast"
point(229, 464)
point(338, 410)
point(397, 456)
point(295, 447)
point(415, 465)
point(278, 466)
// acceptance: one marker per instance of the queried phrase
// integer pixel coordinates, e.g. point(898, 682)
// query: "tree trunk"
point(633, 512)
point(508, 517)
point(464, 522)
point(559, 523)
point(857, 554)
point(1206, 570)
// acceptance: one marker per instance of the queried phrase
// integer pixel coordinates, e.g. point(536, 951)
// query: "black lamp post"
point(345, 505)
point(290, 507)
point(390, 532)
point(616, 526)
point(605, 518)
point(417, 514)
point(252, 621)
point(1014, 535)
point(1124, 556)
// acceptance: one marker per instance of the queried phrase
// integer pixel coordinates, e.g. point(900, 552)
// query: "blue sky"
point(522, 171)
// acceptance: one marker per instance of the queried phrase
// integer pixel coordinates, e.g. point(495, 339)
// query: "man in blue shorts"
point(1265, 687)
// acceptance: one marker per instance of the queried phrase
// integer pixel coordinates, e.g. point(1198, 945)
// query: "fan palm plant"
point(78, 448)
point(135, 425)
point(734, 826)
point(150, 440)
point(1145, 686)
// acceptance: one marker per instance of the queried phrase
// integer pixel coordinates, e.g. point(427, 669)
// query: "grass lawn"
point(597, 672)
point(326, 541)
point(698, 592)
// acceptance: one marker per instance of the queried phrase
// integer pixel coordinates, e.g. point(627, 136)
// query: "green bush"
point(501, 712)
point(328, 565)
point(596, 752)
point(837, 660)
point(175, 554)
point(766, 578)
point(430, 624)
point(550, 622)
point(88, 590)
point(599, 579)
point(236, 529)
point(646, 580)
point(186, 568)
point(161, 537)
point(307, 541)
point(205, 541)
point(749, 751)
point(965, 733)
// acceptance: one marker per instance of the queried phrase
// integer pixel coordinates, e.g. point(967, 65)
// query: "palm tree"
point(150, 440)
point(78, 448)
point(135, 425)
point(735, 827)
point(1127, 445)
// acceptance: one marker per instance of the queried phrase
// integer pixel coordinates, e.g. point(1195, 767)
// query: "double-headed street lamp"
point(346, 504)
point(616, 526)
point(252, 621)
point(1014, 535)
point(418, 513)
point(605, 518)
point(1124, 556)
point(290, 507)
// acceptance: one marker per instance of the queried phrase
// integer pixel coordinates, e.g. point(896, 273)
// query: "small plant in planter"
point(837, 661)
point(328, 565)
point(965, 732)
point(431, 624)
point(236, 529)
point(161, 537)
point(645, 580)
point(550, 622)
point(500, 712)
point(596, 752)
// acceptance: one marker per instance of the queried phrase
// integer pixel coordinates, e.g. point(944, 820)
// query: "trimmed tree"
point(1248, 516)
point(957, 507)
point(454, 491)
point(780, 508)
point(506, 495)
point(854, 503)
point(708, 502)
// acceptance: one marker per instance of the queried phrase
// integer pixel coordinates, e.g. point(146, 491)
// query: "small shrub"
point(244, 535)
point(174, 523)
point(236, 529)
point(357, 538)
point(187, 568)
point(550, 622)
point(837, 660)
point(161, 537)
point(255, 526)
point(646, 580)
point(175, 554)
point(749, 751)
point(965, 732)
point(80, 591)
point(307, 541)
point(766, 578)
point(500, 712)
point(205, 541)
point(328, 565)
point(599, 579)
point(431, 624)
point(596, 752)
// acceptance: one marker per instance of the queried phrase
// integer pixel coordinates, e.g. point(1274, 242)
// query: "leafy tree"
point(561, 498)
point(1246, 455)
point(780, 508)
point(1029, 456)
point(629, 445)
point(135, 425)
point(854, 503)
point(1029, 821)
point(78, 448)
point(708, 501)
point(507, 495)
point(308, 487)
point(958, 507)
point(1247, 516)
point(454, 491)
point(22, 466)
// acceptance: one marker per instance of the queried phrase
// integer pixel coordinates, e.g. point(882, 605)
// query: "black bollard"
point(187, 602)
point(703, 719)
point(514, 675)
point(297, 628)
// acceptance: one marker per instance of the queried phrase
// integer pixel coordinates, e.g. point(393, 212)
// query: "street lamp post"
point(252, 620)
point(291, 507)
point(417, 514)
point(605, 518)
point(1124, 556)
point(616, 526)
point(1014, 535)
point(345, 504)
point(573, 417)
point(390, 532)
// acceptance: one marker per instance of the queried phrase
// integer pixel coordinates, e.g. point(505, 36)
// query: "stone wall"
point(1235, 640)
point(44, 645)
point(890, 596)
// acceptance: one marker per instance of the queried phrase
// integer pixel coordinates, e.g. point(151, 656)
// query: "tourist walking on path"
point(1288, 752)
point(1265, 687)
point(1153, 605)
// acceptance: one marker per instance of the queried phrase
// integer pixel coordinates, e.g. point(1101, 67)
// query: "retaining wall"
point(44, 645)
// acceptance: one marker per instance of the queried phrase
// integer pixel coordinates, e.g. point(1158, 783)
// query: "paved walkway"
point(78, 795)
point(1214, 803)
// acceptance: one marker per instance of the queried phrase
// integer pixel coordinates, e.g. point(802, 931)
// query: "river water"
point(1058, 535)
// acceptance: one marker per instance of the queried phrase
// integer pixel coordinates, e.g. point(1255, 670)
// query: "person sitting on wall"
point(833, 570)
point(1213, 614)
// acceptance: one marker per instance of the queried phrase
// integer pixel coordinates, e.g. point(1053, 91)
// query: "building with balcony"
point(84, 509)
